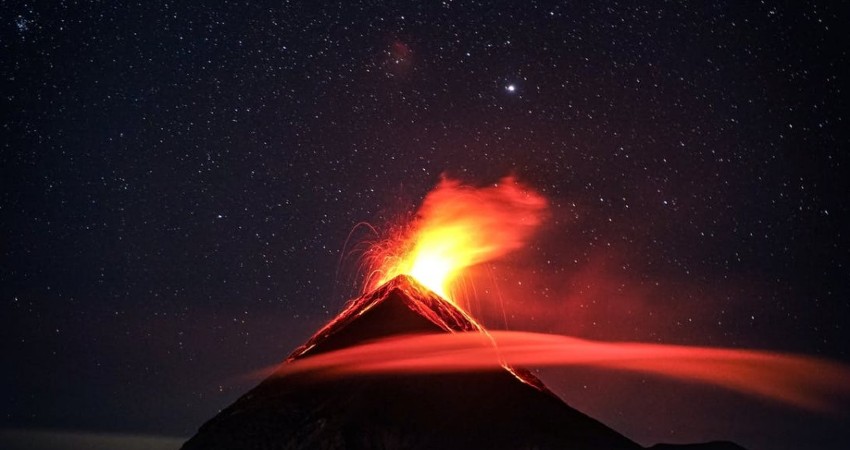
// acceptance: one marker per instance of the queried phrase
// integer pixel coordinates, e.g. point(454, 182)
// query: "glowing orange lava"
point(456, 227)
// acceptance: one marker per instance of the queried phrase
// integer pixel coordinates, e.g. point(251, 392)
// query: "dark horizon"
point(180, 183)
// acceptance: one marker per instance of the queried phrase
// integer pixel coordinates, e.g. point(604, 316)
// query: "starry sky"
point(179, 183)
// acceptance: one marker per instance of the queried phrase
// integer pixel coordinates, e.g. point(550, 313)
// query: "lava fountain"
point(458, 226)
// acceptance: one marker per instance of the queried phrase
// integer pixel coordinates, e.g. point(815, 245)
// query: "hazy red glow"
point(798, 380)
point(458, 226)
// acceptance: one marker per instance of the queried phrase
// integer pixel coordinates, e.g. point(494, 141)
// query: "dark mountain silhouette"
point(504, 409)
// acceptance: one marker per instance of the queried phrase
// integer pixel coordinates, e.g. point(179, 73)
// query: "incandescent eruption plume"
point(458, 226)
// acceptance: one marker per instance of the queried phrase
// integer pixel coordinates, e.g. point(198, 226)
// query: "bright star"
point(510, 88)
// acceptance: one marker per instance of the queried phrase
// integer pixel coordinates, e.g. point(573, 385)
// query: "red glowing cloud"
point(797, 380)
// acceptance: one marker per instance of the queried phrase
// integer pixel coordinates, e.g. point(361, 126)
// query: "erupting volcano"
point(404, 366)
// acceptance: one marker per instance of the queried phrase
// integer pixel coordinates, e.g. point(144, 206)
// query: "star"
point(511, 88)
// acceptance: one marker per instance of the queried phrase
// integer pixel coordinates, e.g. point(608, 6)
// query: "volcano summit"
point(498, 409)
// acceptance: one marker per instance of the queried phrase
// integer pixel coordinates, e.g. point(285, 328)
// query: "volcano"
point(499, 409)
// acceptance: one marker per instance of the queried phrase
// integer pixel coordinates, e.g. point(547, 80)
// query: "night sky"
point(179, 182)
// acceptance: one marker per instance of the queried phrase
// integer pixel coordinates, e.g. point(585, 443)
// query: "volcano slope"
point(500, 409)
